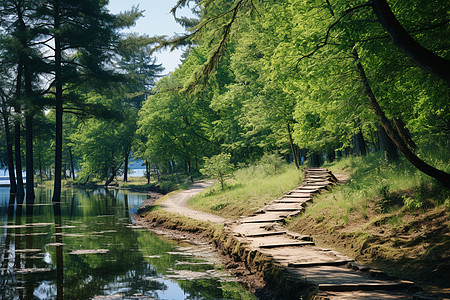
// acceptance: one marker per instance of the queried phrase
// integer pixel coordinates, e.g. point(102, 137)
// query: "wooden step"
point(284, 209)
point(262, 221)
point(262, 234)
point(287, 244)
point(292, 200)
point(369, 286)
point(297, 195)
point(320, 263)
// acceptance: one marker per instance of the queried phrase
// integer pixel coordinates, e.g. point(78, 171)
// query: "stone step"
point(365, 286)
point(286, 244)
point(320, 263)
point(263, 234)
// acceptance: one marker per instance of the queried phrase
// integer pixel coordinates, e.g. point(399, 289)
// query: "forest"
point(308, 80)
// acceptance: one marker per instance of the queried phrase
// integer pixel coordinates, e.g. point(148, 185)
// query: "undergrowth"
point(251, 188)
point(374, 182)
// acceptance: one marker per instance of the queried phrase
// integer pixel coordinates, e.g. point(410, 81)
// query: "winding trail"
point(335, 275)
point(178, 204)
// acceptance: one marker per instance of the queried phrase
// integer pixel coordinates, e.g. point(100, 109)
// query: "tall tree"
point(80, 37)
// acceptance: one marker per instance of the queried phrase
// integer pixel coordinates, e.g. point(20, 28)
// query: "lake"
point(95, 251)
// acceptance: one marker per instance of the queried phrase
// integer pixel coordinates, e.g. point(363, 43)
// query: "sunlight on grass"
point(250, 189)
point(388, 187)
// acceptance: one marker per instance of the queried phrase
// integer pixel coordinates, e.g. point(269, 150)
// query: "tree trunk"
point(29, 159)
point(291, 143)
point(58, 108)
point(18, 156)
point(387, 145)
point(359, 144)
point(147, 171)
point(423, 57)
point(404, 133)
point(9, 153)
point(40, 166)
point(125, 169)
point(331, 156)
point(315, 160)
point(72, 169)
point(439, 175)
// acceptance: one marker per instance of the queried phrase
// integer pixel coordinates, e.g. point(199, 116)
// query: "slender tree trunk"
point(439, 175)
point(9, 153)
point(291, 143)
point(72, 169)
point(18, 156)
point(359, 144)
point(29, 160)
point(58, 108)
point(331, 156)
point(147, 171)
point(125, 168)
point(315, 159)
point(423, 57)
point(40, 165)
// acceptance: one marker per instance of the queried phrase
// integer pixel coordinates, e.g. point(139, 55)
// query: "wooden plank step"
point(369, 286)
point(318, 183)
point(297, 195)
point(288, 244)
point(316, 180)
point(320, 263)
point(292, 200)
point(318, 173)
point(268, 233)
point(304, 191)
point(286, 209)
point(262, 221)
point(315, 169)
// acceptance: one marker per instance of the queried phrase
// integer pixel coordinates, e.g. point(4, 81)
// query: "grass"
point(249, 190)
point(376, 183)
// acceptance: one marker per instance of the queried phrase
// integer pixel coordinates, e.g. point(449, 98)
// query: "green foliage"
point(218, 167)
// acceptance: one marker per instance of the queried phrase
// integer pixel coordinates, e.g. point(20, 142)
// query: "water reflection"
point(87, 246)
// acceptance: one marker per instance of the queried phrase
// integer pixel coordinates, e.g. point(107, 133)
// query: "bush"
point(218, 167)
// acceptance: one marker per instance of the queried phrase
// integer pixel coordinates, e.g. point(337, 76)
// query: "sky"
point(157, 20)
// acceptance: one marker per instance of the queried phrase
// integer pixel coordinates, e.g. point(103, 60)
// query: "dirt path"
point(178, 204)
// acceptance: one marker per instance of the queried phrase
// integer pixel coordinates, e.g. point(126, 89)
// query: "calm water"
point(99, 253)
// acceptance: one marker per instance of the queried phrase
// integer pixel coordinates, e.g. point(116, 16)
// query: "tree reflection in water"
point(85, 245)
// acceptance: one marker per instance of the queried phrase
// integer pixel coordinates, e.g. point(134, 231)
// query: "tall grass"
point(251, 188)
point(384, 186)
